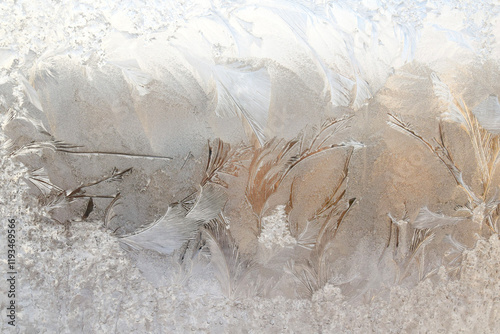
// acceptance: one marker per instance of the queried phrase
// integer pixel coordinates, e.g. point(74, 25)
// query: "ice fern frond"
point(209, 203)
point(221, 160)
point(315, 272)
point(166, 234)
point(133, 74)
point(443, 93)
point(429, 219)
point(31, 93)
point(40, 179)
point(488, 114)
point(229, 265)
point(62, 147)
point(245, 92)
point(266, 170)
point(440, 151)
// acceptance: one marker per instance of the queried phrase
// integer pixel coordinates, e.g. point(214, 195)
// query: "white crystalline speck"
point(275, 231)
point(478, 214)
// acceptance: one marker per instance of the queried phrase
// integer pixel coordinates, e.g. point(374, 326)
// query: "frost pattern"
point(272, 73)
point(102, 290)
point(275, 230)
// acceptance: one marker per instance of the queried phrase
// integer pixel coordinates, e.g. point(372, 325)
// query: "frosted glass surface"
point(252, 166)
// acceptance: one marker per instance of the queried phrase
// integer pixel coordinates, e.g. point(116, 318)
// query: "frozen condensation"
point(251, 166)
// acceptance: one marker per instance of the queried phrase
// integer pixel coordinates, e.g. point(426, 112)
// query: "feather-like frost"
point(42, 72)
point(315, 272)
point(38, 124)
point(488, 114)
point(439, 151)
point(7, 57)
point(299, 19)
point(31, 93)
point(60, 146)
point(420, 239)
point(230, 267)
point(244, 92)
point(211, 199)
point(218, 155)
point(37, 147)
point(360, 92)
point(266, 172)
point(486, 145)
point(178, 225)
point(457, 245)
point(133, 74)
point(307, 237)
point(40, 179)
point(429, 219)
point(166, 234)
point(443, 93)
point(109, 213)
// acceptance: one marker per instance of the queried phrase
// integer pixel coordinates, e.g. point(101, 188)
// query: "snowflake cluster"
point(275, 230)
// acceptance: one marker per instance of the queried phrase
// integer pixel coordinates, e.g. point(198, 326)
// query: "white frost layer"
point(275, 229)
point(76, 279)
point(363, 42)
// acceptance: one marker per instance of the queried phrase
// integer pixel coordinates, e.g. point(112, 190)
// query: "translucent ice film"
point(250, 166)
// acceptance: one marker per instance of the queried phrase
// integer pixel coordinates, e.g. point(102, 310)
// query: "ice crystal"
point(151, 125)
point(276, 230)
